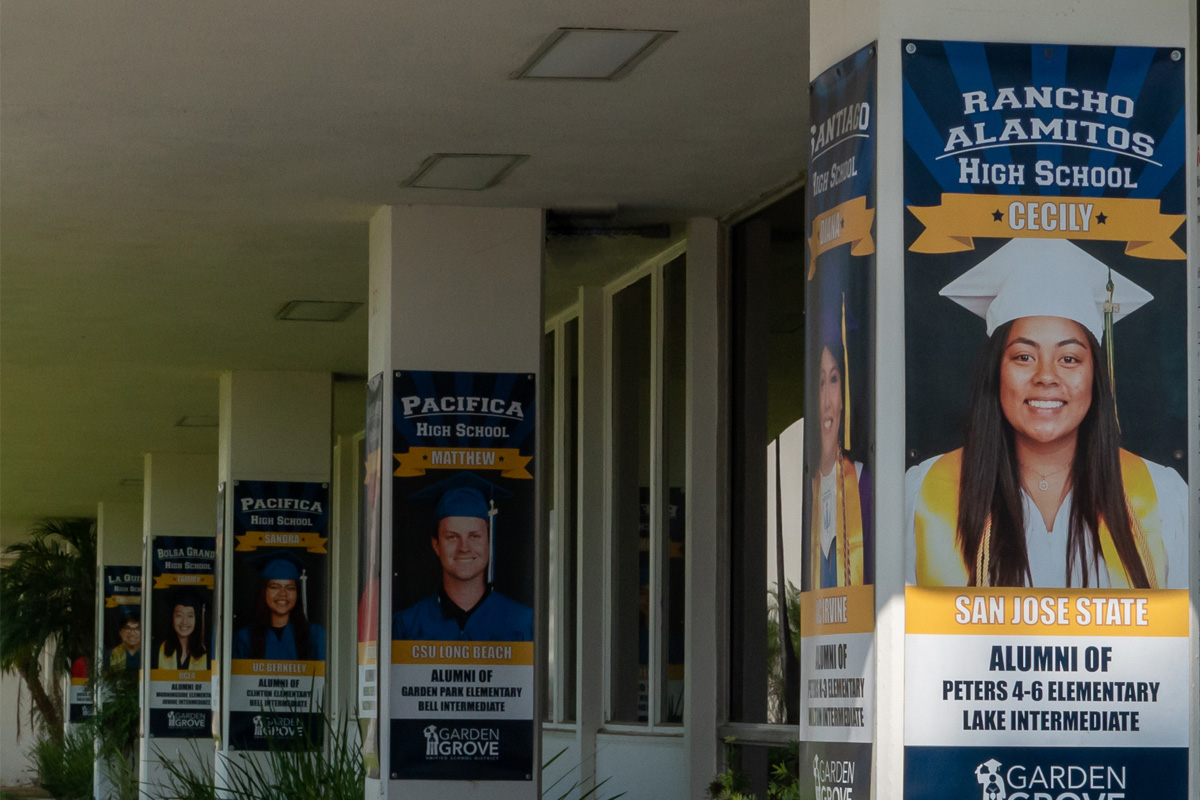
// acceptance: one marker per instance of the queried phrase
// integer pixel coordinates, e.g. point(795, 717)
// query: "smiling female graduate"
point(185, 647)
point(841, 531)
point(1041, 494)
point(466, 607)
point(279, 629)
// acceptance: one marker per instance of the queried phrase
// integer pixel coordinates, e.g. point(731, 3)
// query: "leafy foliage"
point(299, 771)
point(64, 765)
point(783, 781)
point(47, 602)
point(556, 790)
point(776, 664)
point(114, 727)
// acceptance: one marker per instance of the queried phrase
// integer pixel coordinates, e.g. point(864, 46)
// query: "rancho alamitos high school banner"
point(1047, 652)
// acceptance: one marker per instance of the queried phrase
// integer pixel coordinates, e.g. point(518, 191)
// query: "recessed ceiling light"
point(476, 171)
point(132, 482)
point(198, 421)
point(591, 54)
point(316, 311)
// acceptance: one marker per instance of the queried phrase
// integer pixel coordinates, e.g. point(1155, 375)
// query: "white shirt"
point(1048, 548)
point(828, 500)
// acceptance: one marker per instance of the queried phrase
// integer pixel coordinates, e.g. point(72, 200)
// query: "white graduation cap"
point(1046, 278)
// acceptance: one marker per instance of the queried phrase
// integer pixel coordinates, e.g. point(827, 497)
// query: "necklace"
point(1044, 478)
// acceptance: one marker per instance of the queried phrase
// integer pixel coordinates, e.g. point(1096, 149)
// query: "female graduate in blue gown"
point(280, 629)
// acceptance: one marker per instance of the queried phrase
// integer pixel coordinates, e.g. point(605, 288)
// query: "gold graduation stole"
point(940, 562)
point(848, 527)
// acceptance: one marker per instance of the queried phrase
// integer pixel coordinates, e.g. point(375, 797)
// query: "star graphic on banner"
point(1101, 218)
point(997, 216)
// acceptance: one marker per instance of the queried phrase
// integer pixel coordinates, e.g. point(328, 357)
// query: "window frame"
point(556, 594)
point(654, 268)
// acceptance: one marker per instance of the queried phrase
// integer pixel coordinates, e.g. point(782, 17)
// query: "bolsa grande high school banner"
point(464, 521)
point(181, 601)
point(280, 574)
point(837, 604)
point(1046, 499)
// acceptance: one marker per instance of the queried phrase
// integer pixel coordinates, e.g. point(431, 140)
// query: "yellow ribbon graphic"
point(164, 581)
point(123, 600)
point(508, 460)
point(846, 223)
point(313, 542)
point(952, 226)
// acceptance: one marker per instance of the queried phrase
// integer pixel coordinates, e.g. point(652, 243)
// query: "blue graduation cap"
point(278, 564)
point(465, 494)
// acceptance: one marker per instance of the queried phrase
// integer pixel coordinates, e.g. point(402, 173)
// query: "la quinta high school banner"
point(1047, 652)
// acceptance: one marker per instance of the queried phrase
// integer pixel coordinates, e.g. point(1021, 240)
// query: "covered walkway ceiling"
point(172, 173)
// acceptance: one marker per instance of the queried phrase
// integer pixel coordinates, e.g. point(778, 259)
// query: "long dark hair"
point(990, 483)
point(262, 621)
point(196, 644)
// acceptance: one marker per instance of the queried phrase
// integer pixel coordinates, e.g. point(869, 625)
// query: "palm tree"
point(48, 600)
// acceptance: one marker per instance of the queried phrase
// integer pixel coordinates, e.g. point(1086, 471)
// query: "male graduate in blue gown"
point(279, 630)
point(466, 608)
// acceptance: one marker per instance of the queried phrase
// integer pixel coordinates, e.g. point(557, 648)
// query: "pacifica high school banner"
point(277, 655)
point(181, 602)
point(370, 540)
point(1047, 649)
point(837, 604)
point(463, 559)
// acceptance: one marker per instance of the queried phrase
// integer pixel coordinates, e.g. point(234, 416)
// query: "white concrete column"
point(274, 426)
point(451, 289)
point(706, 498)
point(118, 544)
point(179, 499)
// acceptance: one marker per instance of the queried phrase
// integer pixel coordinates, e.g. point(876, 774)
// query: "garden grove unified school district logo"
point(1018, 782)
point(186, 719)
point(461, 743)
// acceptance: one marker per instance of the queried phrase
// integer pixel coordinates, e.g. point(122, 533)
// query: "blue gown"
point(281, 646)
point(435, 618)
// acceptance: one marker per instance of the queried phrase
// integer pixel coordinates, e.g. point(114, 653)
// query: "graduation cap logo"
point(465, 494)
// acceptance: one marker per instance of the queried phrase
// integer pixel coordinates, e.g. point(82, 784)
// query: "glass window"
point(569, 519)
point(766, 407)
point(546, 476)
point(672, 476)
point(629, 634)
point(648, 460)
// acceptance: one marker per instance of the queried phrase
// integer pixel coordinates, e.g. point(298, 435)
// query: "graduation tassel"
point(1111, 308)
point(492, 512)
point(845, 381)
point(304, 591)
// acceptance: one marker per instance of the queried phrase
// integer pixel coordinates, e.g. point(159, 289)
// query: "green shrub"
point(64, 766)
point(300, 771)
